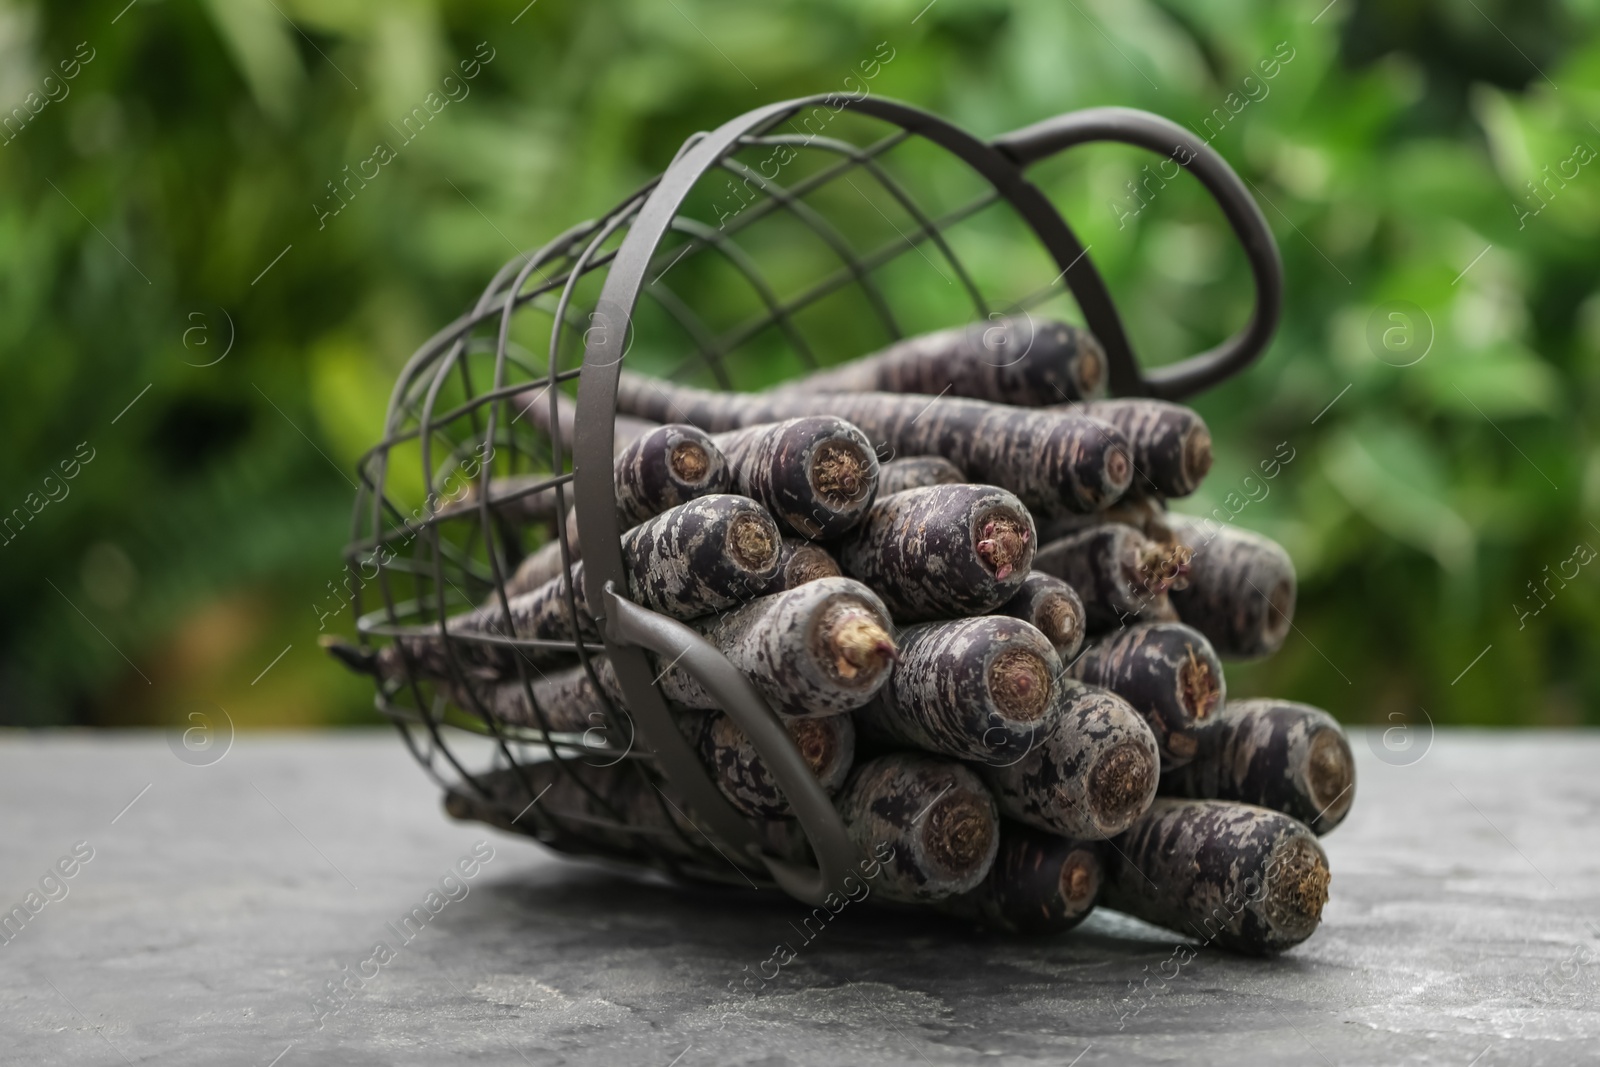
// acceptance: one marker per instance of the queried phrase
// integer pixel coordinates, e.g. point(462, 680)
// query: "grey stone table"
point(209, 906)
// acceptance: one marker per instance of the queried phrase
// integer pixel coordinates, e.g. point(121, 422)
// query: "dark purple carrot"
point(533, 405)
point(662, 468)
point(1289, 757)
point(537, 568)
point(698, 557)
point(817, 475)
point(1121, 575)
point(1171, 444)
point(1241, 589)
point(619, 813)
point(828, 746)
point(979, 689)
point(801, 561)
point(1011, 360)
point(1054, 460)
point(914, 472)
point(1238, 876)
point(1169, 673)
point(1040, 883)
point(1146, 514)
point(1088, 778)
point(1053, 607)
point(562, 701)
point(821, 648)
point(935, 815)
point(943, 550)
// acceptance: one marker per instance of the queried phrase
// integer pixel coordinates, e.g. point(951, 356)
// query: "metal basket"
point(789, 233)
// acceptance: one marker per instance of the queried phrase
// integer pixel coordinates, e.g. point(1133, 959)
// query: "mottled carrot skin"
point(1012, 360)
point(1054, 461)
point(1171, 443)
point(784, 466)
point(943, 550)
point(1053, 607)
point(1122, 576)
point(1241, 877)
point(1040, 883)
point(1241, 589)
point(801, 561)
point(954, 691)
point(787, 644)
point(638, 816)
point(914, 472)
point(1169, 673)
point(936, 816)
point(696, 558)
point(665, 467)
point(827, 745)
point(1277, 754)
point(1090, 777)
point(537, 568)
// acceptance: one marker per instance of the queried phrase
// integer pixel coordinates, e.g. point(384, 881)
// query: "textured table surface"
point(1464, 929)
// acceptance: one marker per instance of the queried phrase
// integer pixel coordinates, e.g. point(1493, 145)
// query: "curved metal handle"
point(1146, 130)
point(836, 853)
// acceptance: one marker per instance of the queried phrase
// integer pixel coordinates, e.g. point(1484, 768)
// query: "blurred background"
point(199, 333)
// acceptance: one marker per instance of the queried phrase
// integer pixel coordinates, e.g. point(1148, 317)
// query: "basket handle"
point(836, 853)
point(1145, 130)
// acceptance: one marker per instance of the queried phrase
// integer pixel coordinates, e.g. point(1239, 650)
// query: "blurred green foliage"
point(180, 302)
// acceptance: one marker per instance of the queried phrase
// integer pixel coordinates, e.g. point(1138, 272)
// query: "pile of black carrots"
point(951, 570)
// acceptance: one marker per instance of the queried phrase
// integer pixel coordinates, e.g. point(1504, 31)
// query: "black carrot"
point(1289, 757)
point(1054, 460)
point(936, 816)
point(817, 474)
point(1169, 673)
point(827, 745)
point(1241, 587)
point(1011, 360)
point(1052, 606)
point(1171, 443)
point(980, 689)
point(1238, 876)
point(1088, 778)
point(914, 472)
point(1122, 576)
point(821, 648)
point(943, 550)
point(1041, 883)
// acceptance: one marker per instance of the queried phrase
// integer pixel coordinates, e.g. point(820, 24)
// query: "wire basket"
point(791, 236)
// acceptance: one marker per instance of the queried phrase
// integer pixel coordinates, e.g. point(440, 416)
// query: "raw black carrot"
point(1122, 576)
point(1289, 757)
point(566, 699)
point(533, 405)
point(1241, 588)
point(1012, 360)
point(1040, 883)
point(609, 808)
point(1053, 607)
point(1170, 675)
point(665, 467)
point(1088, 778)
point(817, 474)
point(1234, 875)
point(936, 816)
point(698, 557)
point(1054, 460)
point(1171, 443)
point(821, 648)
point(942, 550)
point(537, 568)
point(1144, 513)
point(828, 746)
point(801, 561)
point(980, 689)
point(914, 472)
